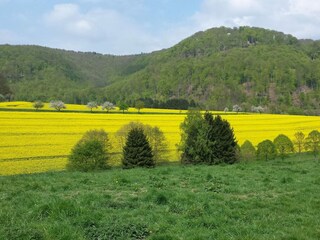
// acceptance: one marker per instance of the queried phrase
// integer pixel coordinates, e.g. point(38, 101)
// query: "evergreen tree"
point(212, 139)
point(156, 137)
point(207, 140)
point(137, 151)
point(223, 142)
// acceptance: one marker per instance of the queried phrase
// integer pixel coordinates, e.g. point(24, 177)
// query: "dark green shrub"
point(137, 151)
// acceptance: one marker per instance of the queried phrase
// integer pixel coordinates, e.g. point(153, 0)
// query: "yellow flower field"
point(41, 141)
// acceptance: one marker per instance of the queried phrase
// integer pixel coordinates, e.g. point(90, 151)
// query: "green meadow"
point(277, 199)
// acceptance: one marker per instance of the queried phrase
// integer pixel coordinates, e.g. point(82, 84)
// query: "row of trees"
point(237, 108)
point(59, 105)
point(139, 104)
point(205, 139)
point(282, 146)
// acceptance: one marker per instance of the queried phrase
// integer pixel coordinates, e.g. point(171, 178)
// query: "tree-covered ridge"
point(216, 68)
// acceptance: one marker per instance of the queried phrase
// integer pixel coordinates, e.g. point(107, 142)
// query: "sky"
point(123, 27)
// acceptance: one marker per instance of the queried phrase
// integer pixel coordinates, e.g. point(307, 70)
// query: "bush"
point(137, 151)
point(90, 153)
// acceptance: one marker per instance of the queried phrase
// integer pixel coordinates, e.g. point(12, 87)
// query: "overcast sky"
point(135, 26)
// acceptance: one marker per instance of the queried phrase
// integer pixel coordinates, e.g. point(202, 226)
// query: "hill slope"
point(216, 69)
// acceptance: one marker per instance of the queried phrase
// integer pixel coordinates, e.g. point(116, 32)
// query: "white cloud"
point(98, 29)
point(67, 17)
point(114, 26)
point(298, 17)
point(63, 12)
point(305, 7)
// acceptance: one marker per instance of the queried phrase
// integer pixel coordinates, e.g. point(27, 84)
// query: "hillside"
point(214, 69)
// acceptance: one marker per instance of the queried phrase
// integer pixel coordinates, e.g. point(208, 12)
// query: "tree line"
point(282, 146)
point(205, 139)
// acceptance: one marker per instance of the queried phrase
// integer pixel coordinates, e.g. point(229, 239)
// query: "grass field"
point(258, 200)
point(41, 141)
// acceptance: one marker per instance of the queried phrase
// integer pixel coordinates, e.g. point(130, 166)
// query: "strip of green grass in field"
point(258, 200)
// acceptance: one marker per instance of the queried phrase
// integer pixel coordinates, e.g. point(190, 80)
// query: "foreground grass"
point(258, 200)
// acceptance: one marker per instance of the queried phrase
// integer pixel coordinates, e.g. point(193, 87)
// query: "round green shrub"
point(90, 153)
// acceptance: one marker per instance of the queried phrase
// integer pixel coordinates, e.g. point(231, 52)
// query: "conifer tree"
point(207, 140)
point(224, 144)
point(137, 150)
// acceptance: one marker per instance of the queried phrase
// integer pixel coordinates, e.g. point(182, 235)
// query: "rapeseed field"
point(41, 141)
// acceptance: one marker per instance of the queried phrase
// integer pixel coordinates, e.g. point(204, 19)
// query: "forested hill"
point(215, 69)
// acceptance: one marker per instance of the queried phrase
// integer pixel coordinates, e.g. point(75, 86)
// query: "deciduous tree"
point(92, 105)
point(299, 141)
point(108, 106)
point(58, 105)
point(91, 152)
point(38, 104)
point(123, 106)
point(247, 151)
point(139, 105)
point(283, 145)
point(266, 150)
point(312, 143)
point(192, 139)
